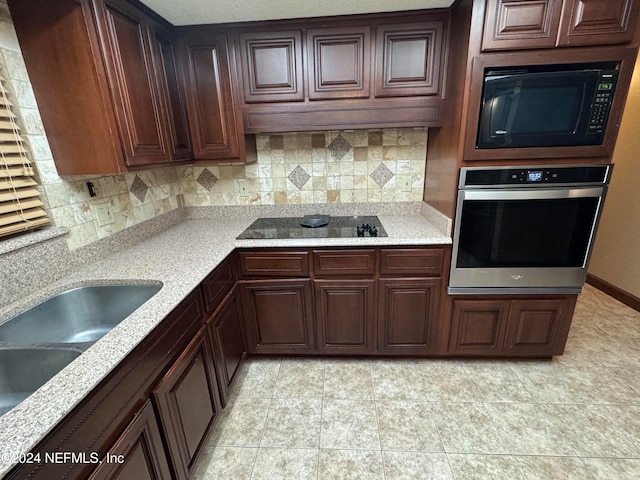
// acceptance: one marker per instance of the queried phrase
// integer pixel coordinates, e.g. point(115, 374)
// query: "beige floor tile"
point(257, 378)
point(614, 468)
point(416, 466)
point(348, 379)
point(467, 428)
point(590, 432)
point(293, 422)
point(349, 424)
point(527, 430)
point(241, 424)
point(484, 467)
point(554, 468)
point(497, 383)
point(350, 465)
point(286, 464)
point(300, 378)
point(406, 425)
point(226, 463)
point(397, 379)
point(447, 383)
point(626, 418)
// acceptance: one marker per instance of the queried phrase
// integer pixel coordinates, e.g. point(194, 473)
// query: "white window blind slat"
point(20, 205)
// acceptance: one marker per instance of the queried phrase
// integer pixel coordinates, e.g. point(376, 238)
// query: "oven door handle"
point(532, 194)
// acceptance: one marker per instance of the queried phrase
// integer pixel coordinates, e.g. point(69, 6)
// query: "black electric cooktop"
point(335, 227)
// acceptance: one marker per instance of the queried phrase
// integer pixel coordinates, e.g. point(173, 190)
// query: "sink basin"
point(80, 315)
point(24, 370)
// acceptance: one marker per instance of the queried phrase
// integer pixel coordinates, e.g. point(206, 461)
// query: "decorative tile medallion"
point(381, 175)
point(299, 176)
point(207, 179)
point(339, 147)
point(139, 188)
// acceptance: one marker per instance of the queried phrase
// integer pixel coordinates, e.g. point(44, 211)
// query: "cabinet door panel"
point(141, 448)
point(345, 315)
point(272, 66)
point(478, 326)
point(338, 62)
point(408, 59)
point(188, 403)
point(407, 312)
point(172, 86)
point(139, 112)
point(278, 316)
point(209, 100)
point(587, 22)
point(538, 327)
point(513, 24)
point(228, 345)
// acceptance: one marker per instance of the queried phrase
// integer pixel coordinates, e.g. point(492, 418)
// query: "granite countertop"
point(180, 258)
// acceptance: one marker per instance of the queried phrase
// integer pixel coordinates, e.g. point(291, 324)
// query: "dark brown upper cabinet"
point(408, 59)
point(215, 131)
point(520, 24)
point(338, 62)
point(272, 66)
point(108, 94)
point(139, 111)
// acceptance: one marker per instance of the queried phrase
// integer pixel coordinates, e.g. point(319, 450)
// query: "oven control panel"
point(483, 177)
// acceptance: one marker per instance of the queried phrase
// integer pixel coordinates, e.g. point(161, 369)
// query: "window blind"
point(20, 204)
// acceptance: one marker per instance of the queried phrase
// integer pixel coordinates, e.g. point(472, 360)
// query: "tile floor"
point(575, 417)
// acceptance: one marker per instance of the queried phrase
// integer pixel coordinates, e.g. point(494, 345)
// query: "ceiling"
point(193, 12)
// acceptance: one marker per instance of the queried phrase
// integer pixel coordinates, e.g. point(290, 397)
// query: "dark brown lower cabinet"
point(519, 327)
point(187, 403)
point(278, 315)
point(345, 316)
point(408, 315)
point(138, 454)
point(227, 340)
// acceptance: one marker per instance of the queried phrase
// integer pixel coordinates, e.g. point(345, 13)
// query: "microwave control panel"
point(602, 101)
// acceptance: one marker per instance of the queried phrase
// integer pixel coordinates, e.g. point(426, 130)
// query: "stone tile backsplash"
point(355, 166)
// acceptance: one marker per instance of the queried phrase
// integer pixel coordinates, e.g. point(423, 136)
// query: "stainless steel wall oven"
point(526, 229)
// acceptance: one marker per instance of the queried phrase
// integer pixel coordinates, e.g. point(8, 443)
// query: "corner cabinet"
point(127, 111)
point(517, 327)
point(517, 24)
point(215, 129)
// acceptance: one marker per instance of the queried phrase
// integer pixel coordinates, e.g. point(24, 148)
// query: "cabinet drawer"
point(274, 264)
point(344, 262)
point(411, 261)
point(216, 286)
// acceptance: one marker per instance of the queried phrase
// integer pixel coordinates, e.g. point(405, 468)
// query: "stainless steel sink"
point(80, 315)
point(24, 370)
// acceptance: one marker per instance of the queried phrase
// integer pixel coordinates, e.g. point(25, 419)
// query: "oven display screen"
point(534, 175)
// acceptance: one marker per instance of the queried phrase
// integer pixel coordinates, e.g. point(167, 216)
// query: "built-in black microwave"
point(545, 106)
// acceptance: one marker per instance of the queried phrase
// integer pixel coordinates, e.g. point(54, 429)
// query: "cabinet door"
point(514, 24)
point(278, 316)
point(226, 333)
point(172, 88)
point(345, 315)
point(272, 66)
point(408, 59)
point(408, 310)
point(338, 62)
point(188, 402)
point(210, 105)
point(136, 100)
point(538, 327)
point(138, 454)
point(592, 22)
point(478, 327)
